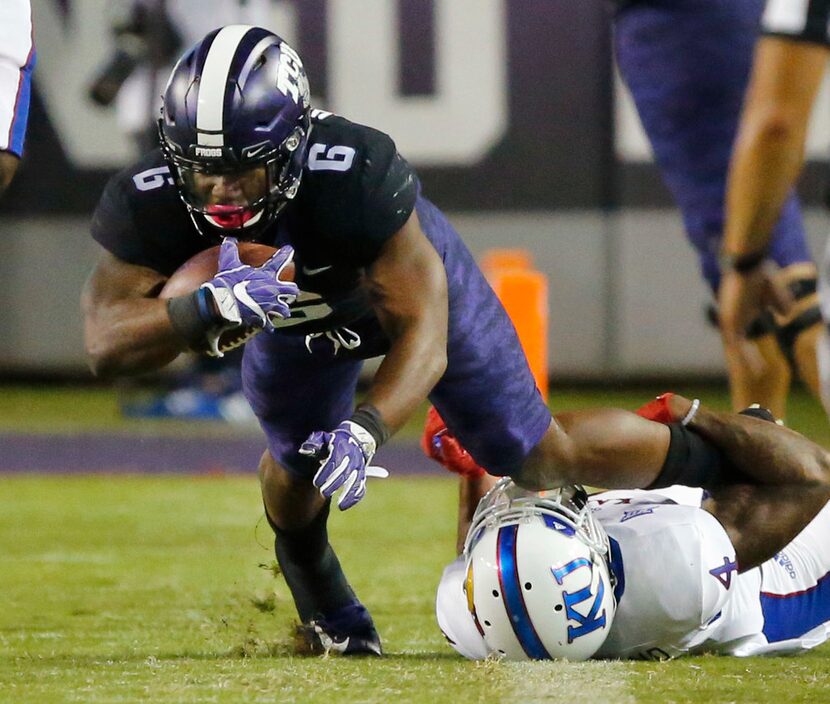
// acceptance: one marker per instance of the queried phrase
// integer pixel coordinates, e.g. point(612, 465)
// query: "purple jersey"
point(487, 395)
point(356, 192)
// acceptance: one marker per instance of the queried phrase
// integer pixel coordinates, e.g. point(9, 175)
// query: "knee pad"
point(787, 333)
point(760, 327)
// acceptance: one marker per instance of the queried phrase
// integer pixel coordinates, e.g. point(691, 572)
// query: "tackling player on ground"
point(379, 271)
point(17, 60)
point(742, 568)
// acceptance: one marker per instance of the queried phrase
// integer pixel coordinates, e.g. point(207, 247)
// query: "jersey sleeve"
point(806, 20)
point(140, 219)
point(390, 190)
point(113, 223)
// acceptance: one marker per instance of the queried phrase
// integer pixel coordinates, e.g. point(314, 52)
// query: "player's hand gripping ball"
point(264, 273)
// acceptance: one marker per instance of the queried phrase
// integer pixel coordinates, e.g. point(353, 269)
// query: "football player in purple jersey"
point(790, 62)
point(379, 271)
point(687, 65)
point(17, 60)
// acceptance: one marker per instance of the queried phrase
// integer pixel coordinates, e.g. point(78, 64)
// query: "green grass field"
point(135, 589)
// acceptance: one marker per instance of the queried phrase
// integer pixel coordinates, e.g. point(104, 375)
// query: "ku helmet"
point(538, 583)
point(234, 129)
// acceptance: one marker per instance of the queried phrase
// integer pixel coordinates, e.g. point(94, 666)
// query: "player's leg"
point(294, 393)
point(767, 380)
point(687, 65)
point(489, 400)
point(487, 396)
point(799, 331)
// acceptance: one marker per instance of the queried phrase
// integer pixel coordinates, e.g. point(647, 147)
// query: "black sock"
point(311, 569)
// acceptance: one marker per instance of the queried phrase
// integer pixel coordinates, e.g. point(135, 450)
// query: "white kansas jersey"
point(678, 589)
point(675, 568)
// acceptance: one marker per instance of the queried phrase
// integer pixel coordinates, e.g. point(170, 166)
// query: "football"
point(204, 265)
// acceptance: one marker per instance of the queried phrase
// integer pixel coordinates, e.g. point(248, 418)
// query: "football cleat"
point(348, 631)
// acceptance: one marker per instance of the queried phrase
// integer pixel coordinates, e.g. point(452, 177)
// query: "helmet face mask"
point(538, 582)
point(234, 129)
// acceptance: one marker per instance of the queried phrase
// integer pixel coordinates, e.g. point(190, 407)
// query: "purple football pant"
point(487, 396)
point(687, 64)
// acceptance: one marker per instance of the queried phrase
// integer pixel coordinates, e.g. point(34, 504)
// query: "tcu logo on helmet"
point(291, 78)
point(591, 621)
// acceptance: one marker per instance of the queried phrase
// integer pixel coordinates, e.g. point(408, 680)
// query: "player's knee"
point(291, 502)
point(807, 317)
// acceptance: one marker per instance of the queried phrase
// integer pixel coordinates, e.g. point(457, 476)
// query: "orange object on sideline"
point(495, 259)
point(523, 292)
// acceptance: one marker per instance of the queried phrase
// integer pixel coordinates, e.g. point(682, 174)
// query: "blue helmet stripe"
point(511, 592)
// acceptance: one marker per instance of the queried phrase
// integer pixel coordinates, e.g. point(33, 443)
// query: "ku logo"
point(723, 573)
point(586, 623)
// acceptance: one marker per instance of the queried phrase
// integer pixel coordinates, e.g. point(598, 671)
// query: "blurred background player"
point(650, 574)
point(148, 36)
point(687, 64)
point(17, 60)
point(790, 61)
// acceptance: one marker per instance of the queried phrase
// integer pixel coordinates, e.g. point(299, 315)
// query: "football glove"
point(344, 455)
point(248, 295)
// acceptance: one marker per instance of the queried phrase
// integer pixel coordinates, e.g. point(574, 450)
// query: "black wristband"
point(742, 263)
point(192, 316)
point(367, 416)
point(691, 461)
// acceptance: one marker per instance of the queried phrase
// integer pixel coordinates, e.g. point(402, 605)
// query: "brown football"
point(204, 265)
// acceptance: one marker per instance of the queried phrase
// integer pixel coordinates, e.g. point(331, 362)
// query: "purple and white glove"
point(344, 456)
point(248, 295)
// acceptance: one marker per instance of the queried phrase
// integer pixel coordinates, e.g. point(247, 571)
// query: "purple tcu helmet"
point(234, 129)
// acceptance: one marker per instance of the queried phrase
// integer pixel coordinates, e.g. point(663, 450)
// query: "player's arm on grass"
point(408, 288)
point(127, 329)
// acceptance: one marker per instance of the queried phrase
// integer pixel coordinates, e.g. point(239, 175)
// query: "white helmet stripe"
point(214, 81)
